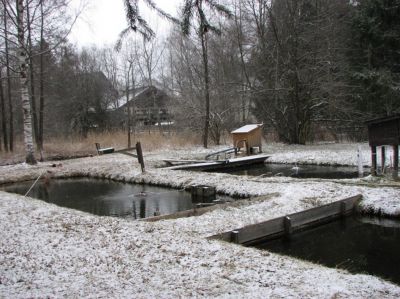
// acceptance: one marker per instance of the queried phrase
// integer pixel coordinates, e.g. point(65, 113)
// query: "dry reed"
point(75, 146)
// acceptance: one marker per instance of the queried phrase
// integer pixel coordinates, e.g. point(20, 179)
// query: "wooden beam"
point(140, 155)
point(128, 154)
point(183, 162)
point(125, 150)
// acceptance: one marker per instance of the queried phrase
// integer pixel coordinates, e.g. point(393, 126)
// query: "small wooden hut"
point(248, 136)
point(381, 132)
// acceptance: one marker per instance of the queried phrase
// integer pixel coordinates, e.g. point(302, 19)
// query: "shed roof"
point(246, 128)
point(383, 119)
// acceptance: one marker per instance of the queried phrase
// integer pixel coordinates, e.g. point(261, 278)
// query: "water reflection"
point(108, 198)
point(359, 245)
point(297, 171)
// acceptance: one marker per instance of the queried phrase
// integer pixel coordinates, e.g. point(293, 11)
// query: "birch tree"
point(23, 89)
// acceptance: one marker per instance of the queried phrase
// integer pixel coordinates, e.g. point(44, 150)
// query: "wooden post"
point(395, 162)
point(247, 148)
point(343, 209)
point(235, 236)
point(287, 224)
point(373, 159)
point(140, 155)
point(383, 159)
point(97, 147)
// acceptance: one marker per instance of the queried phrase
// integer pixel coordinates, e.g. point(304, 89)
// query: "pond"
point(357, 244)
point(108, 198)
point(297, 171)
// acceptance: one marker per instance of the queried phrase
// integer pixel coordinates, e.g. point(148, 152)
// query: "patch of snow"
point(246, 129)
point(48, 251)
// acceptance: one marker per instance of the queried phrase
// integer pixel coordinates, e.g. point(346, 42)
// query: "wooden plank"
point(128, 154)
point(316, 214)
point(271, 227)
point(293, 222)
point(180, 162)
point(125, 150)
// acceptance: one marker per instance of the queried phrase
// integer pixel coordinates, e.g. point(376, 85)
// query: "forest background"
point(307, 69)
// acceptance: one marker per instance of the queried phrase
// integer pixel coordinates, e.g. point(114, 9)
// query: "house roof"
point(143, 97)
point(247, 128)
point(121, 101)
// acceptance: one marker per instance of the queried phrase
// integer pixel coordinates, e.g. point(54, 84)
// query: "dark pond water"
point(299, 171)
point(108, 198)
point(359, 245)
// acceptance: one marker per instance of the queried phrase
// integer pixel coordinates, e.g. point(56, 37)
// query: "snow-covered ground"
point(48, 251)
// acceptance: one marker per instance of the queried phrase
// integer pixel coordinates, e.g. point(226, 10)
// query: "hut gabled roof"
point(247, 128)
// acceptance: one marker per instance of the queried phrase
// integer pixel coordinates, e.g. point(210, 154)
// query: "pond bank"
point(56, 252)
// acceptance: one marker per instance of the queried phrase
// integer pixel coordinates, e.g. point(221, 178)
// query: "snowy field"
point(48, 251)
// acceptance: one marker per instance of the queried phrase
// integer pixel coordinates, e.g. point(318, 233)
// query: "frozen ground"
point(47, 251)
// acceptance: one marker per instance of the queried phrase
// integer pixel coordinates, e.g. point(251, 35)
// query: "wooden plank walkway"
point(288, 224)
point(215, 165)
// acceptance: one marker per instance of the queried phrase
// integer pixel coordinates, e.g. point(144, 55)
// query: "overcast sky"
point(102, 20)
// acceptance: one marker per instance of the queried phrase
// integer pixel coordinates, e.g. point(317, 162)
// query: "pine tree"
point(376, 59)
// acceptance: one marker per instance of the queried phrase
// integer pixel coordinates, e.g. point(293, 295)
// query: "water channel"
point(108, 198)
point(298, 171)
point(357, 244)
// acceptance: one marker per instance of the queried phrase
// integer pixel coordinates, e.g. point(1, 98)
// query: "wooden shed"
point(248, 136)
point(381, 132)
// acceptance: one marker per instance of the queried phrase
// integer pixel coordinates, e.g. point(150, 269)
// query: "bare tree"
point(298, 62)
point(3, 114)
point(197, 8)
point(8, 75)
point(23, 78)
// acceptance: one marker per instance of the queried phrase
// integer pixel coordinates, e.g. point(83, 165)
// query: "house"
point(149, 105)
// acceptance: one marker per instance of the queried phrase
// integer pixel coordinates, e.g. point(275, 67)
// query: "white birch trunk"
point(26, 108)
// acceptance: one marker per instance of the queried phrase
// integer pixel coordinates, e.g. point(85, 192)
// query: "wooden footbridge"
point(204, 165)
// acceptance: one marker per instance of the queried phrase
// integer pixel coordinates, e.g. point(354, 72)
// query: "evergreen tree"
point(376, 57)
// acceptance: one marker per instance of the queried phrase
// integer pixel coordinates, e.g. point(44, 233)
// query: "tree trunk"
point(133, 102)
point(129, 109)
point(31, 77)
point(23, 78)
point(10, 102)
point(41, 81)
point(206, 88)
point(3, 115)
